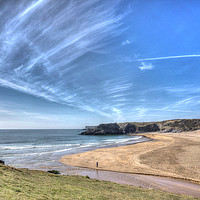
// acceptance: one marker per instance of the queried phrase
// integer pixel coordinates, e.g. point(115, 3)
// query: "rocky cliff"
point(104, 129)
point(178, 125)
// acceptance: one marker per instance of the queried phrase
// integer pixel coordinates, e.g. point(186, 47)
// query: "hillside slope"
point(177, 125)
point(26, 184)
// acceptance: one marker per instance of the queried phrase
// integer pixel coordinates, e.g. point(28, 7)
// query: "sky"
point(72, 63)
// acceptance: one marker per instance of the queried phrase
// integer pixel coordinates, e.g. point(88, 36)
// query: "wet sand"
point(174, 155)
point(138, 180)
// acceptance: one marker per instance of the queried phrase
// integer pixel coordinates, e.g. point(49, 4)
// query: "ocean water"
point(41, 149)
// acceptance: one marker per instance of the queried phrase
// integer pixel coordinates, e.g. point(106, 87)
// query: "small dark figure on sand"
point(97, 164)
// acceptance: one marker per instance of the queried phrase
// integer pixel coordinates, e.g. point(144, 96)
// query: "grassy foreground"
point(26, 184)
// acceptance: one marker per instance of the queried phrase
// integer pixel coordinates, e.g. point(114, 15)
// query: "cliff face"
point(104, 129)
point(178, 125)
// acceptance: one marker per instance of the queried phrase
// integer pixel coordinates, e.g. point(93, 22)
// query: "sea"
point(41, 149)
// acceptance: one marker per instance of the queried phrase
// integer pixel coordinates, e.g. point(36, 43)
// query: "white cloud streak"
point(169, 57)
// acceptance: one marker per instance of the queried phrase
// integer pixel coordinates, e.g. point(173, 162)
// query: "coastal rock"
point(173, 126)
point(2, 162)
point(128, 128)
point(181, 125)
point(111, 128)
point(104, 129)
point(149, 128)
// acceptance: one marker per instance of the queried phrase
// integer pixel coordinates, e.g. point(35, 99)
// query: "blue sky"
point(67, 64)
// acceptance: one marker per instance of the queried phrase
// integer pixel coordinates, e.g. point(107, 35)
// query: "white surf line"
point(168, 57)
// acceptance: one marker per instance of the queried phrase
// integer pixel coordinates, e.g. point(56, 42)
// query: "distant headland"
point(177, 125)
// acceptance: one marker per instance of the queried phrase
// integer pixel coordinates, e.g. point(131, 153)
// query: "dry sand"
point(174, 155)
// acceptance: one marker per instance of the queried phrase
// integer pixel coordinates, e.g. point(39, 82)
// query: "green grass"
point(18, 184)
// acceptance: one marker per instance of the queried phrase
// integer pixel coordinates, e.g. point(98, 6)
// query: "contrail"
point(168, 57)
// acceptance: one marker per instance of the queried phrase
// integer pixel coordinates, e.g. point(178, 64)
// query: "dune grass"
point(20, 184)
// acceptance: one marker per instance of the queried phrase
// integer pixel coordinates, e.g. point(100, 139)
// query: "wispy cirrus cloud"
point(43, 43)
point(118, 88)
point(73, 53)
point(118, 114)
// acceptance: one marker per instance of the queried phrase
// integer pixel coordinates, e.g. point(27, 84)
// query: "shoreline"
point(171, 156)
point(147, 181)
point(158, 141)
point(46, 155)
point(73, 170)
point(84, 168)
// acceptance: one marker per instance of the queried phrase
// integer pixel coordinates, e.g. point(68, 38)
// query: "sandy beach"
point(174, 155)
